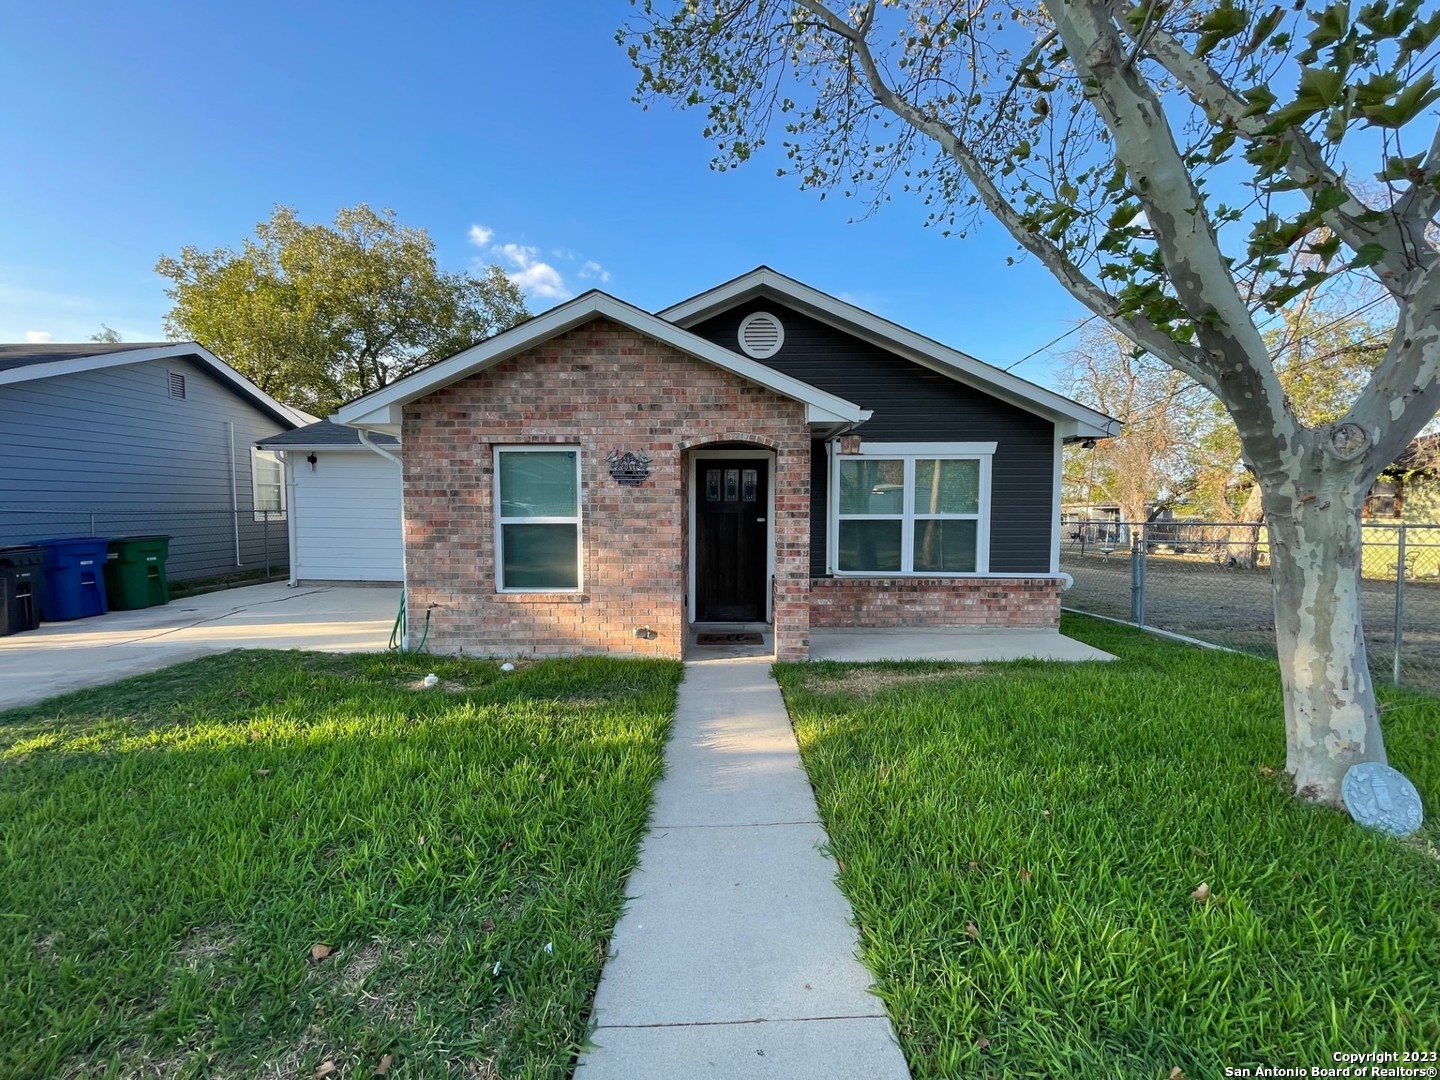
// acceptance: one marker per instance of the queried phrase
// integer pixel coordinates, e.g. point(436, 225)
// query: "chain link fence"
point(1211, 581)
point(205, 543)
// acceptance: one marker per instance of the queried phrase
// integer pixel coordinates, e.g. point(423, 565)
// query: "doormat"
point(748, 638)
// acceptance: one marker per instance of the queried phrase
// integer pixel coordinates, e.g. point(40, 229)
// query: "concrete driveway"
point(90, 652)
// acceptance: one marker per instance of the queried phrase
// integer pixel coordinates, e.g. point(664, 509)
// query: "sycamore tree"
point(1163, 161)
point(318, 314)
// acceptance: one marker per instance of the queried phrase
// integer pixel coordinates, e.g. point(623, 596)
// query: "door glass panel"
point(712, 485)
point(732, 485)
point(872, 486)
point(748, 482)
point(540, 484)
point(947, 487)
point(872, 546)
point(945, 547)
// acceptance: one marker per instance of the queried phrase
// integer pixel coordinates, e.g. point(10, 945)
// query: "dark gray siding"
point(112, 451)
point(914, 404)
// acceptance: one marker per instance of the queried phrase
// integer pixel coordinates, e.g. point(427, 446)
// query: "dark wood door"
point(732, 530)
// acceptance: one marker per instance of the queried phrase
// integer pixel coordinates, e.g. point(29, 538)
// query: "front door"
point(732, 531)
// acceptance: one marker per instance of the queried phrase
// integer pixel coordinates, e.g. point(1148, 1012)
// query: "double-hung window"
point(267, 485)
point(537, 490)
point(912, 510)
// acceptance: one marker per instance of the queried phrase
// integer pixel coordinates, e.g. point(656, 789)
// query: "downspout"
point(404, 560)
point(234, 492)
point(290, 537)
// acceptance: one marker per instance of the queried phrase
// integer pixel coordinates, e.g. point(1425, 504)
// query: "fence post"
point(1137, 575)
point(1399, 603)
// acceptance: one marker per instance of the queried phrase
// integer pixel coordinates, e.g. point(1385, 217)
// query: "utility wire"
point(1051, 344)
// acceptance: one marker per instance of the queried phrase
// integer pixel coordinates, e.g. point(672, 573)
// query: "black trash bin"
point(21, 580)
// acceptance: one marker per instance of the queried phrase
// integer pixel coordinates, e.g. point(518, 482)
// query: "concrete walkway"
point(735, 956)
point(64, 656)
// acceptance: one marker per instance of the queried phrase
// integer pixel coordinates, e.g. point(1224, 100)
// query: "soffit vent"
point(177, 384)
point(761, 335)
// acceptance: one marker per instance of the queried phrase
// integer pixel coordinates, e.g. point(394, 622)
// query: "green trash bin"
point(135, 572)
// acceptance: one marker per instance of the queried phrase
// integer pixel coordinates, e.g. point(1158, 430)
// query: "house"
point(1408, 492)
point(343, 504)
point(126, 439)
point(604, 479)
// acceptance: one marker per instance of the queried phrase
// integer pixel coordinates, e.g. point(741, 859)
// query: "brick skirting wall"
point(895, 602)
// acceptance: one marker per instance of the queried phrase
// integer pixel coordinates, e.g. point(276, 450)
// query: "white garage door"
point(347, 517)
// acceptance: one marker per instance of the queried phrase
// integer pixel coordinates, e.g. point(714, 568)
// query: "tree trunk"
point(1331, 719)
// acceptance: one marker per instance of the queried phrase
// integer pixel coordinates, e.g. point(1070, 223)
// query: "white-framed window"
point(267, 485)
point(920, 509)
point(537, 528)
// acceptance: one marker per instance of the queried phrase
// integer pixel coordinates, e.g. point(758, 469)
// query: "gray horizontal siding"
point(914, 404)
point(112, 447)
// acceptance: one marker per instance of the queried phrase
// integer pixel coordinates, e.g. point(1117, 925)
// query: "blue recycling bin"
point(74, 577)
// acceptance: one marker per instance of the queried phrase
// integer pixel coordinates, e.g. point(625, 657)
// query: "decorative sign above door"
point(631, 468)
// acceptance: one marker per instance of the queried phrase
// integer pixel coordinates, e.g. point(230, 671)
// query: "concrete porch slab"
point(961, 644)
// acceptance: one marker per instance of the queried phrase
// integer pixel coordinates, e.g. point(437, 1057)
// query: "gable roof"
point(26, 363)
point(380, 410)
point(1076, 421)
point(324, 435)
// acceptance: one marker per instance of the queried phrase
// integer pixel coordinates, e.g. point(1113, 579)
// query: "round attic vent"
point(761, 335)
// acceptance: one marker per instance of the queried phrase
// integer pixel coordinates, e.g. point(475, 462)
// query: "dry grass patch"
point(869, 680)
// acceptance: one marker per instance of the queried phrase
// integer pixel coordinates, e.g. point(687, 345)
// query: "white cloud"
point(535, 277)
point(38, 337)
point(524, 265)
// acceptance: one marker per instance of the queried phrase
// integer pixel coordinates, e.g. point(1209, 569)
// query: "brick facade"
point(896, 602)
point(600, 387)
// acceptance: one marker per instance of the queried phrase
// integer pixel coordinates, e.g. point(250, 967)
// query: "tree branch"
point(1196, 267)
point(1306, 165)
point(1137, 328)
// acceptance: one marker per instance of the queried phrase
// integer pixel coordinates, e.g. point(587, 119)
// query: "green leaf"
point(1400, 168)
point(1409, 103)
point(1264, 27)
point(1330, 25)
point(1368, 255)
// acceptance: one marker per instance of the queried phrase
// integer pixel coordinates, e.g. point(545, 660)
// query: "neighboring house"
point(1409, 490)
point(126, 439)
point(344, 504)
point(600, 479)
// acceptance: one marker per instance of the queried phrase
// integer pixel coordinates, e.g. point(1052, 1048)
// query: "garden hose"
point(397, 632)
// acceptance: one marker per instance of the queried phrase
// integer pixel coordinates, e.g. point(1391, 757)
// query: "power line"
point(1169, 398)
point(1050, 344)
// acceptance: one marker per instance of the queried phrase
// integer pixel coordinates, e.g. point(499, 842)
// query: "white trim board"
point(696, 455)
point(381, 410)
point(1076, 421)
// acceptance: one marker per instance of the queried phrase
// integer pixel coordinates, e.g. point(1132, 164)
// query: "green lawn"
point(173, 846)
point(1021, 843)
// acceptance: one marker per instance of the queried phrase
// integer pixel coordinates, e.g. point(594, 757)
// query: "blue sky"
point(139, 128)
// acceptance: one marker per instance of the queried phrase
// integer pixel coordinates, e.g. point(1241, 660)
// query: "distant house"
point(130, 439)
point(1408, 491)
point(343, 503)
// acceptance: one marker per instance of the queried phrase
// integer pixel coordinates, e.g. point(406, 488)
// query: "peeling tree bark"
point(1331, 718)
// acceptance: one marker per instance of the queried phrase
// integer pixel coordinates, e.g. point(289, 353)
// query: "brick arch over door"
point(739, 439)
